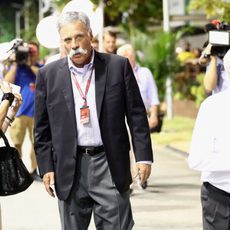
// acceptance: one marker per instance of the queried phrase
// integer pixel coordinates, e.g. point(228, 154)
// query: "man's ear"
point(91, 35)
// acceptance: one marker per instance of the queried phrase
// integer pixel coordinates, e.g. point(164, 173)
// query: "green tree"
point(7, 29)
point(29, 11)
point(157, 51)
point(60, 3)
point(128, 12)
point(212, 8)
point(134, 13)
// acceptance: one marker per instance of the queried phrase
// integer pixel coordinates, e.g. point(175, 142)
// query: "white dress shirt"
point(210, 146)
point(147, 86)
point(88, 134)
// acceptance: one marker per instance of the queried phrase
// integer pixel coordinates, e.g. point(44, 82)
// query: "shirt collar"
point(84, 69)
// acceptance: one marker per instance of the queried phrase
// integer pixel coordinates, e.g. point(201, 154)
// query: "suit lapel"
point(100, 80)
point(66, 85)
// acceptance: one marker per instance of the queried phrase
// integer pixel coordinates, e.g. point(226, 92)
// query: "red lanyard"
point(83, 95)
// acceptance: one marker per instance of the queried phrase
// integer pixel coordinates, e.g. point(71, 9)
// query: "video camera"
point(21, 50)
point(219, 37)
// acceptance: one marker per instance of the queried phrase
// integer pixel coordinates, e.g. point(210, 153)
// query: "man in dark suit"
point(82, 103)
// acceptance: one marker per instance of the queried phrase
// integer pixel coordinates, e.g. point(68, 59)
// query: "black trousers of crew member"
point(94, 192)
point(216, 208)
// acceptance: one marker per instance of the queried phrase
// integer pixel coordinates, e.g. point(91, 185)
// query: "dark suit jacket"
point(117, 96)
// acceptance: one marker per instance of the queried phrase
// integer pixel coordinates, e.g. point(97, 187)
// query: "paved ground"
point(170, 202)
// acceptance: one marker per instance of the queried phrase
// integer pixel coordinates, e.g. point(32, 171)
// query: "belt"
point(215, 189)
point(90, 150)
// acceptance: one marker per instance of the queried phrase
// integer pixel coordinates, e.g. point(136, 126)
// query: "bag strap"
point(2, 134)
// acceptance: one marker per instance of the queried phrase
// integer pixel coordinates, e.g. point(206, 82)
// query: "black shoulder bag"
point(14, 176)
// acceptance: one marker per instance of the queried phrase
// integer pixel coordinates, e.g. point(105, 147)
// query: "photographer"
point(23, 72)
point(215, 79)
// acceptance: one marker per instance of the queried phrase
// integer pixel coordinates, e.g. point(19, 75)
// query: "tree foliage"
point(29, 12)
point(6, 27)
point(60, 3)
point(157, 52)
point(212, 8)
point(135, 13)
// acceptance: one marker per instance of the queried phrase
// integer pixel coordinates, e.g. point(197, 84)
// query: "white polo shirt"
point(147, 86)
point(210, 145)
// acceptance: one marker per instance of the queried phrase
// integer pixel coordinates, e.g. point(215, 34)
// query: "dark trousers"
point(94, 192)
point(215, 207)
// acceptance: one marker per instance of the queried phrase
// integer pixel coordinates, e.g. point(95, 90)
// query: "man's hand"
point(207, 50)
point(205, 56)
point(48, 180)
point(143, 171)
point(153, 121)
point(16, 105)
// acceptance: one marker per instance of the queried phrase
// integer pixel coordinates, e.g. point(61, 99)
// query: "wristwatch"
point(9, 97)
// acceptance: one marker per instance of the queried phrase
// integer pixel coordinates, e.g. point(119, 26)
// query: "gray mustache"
point(77, 51)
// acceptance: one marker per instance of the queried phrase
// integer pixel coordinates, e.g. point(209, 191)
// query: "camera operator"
point(215, 79)
point(23, 72)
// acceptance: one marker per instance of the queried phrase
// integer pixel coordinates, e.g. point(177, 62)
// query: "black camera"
point(22, 51)
point(219, 37)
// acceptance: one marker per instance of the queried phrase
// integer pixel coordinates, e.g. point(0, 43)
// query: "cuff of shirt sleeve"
point(144, 162)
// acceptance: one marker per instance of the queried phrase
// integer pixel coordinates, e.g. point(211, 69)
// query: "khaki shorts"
point(18, 129)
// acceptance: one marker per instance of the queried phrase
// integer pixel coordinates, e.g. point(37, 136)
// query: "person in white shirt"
point(210, 154)
point(146, 83)
point(149, 95)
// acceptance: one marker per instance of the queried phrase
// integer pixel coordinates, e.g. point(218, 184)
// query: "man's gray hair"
point(71, 17)
point(126, 47)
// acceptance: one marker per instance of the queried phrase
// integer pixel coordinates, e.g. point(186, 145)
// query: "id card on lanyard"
point(84, 114)
point(84, 110)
